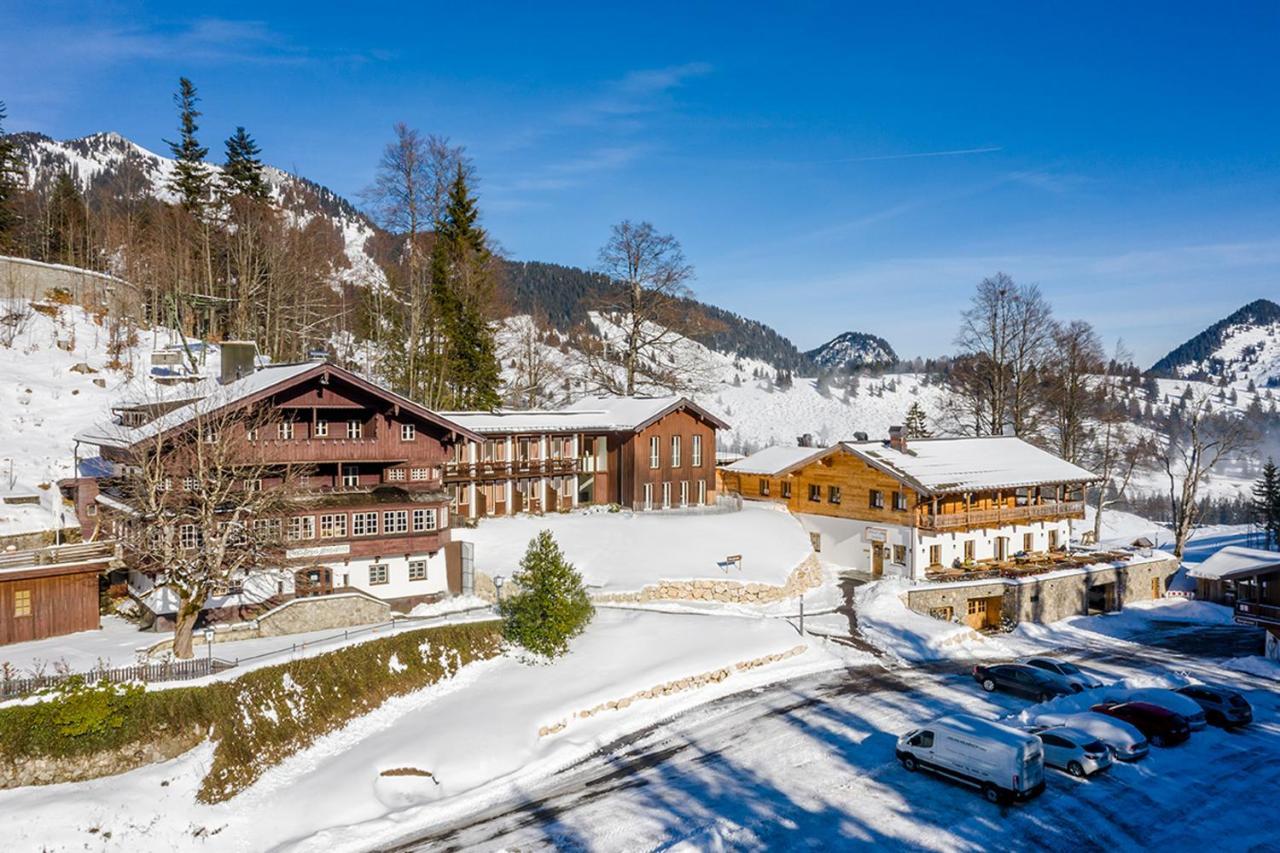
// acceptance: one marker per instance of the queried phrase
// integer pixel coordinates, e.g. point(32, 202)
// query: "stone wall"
point(1048, 599)
point(48, 771)
point(803, 577)
point(32, 280)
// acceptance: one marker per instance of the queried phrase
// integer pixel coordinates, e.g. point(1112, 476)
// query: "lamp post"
point(498, 581)
point(208, 643)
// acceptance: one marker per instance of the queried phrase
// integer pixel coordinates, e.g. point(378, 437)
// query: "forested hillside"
point(1230, 347)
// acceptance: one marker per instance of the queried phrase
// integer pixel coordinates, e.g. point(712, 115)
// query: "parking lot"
point(810, 764)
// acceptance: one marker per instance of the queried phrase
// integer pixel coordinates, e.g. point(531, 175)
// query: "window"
point(924, 740)
point(900, 554)
point(210, 436)
point(377, 574)
point(648, 495)
point(91, 509)
point(815, 493)
point(1028, 542)
point(21, 603)
point(251, 433)
point(833, 494)
point(364, 523)
point(786, 488)
point(695, 452)
point(944, 613)
point(1053, 540)
point(702, 493)
point(417, 570)
point(968, 550)
point(764, 486)
point(395, 521)
point(899, 502)
point(267, 528)
point(166, 484)
point(408, 432)
point(684, 493)
point(877, 499)
point(284, 430)
point(418, 474)
point(321, 429)
point(333, 526)
point(302, 527)
point(253, 485)
point(655, 452)
point(423, 520)
point(675, 451)
point(444, 517)
point(188, 536)
point(935, 555)
point(976, 604)
point(666, 495)
point(350, 476)
point(190, 483)
point(355, 429)
point(395, 475)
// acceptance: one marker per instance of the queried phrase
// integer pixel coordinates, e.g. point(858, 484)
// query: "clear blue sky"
point(826, 167)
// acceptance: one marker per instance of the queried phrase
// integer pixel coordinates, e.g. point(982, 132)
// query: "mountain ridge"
point(1244, 346)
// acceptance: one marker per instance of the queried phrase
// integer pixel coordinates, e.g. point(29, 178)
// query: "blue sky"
point(827, 167)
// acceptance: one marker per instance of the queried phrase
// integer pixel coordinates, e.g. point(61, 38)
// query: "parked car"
point(1077, 752)
point(1075, 676)
point(1003, 762)
point(1023, 680)
point(1161, 726)
point(1125, 742)
point(1221, 707)
point(1167, 699)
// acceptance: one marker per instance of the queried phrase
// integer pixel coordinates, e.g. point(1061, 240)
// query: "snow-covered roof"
point(1235, 561)
point(776, 461)
point(943, 465)
point(603, 414)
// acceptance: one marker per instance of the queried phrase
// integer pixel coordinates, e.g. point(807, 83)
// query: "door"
point(1002, 548)
point(984, 612)
point(1155, 588)
point(877, 559)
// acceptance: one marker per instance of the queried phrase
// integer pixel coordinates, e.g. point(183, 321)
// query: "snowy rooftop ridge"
point(1235, 561)
point(942, 465)
point(604, 413)
point(777, 460)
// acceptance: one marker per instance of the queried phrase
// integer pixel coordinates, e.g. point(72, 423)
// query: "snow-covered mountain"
point(110, 163)
point(1242, 348)
point(851, 350)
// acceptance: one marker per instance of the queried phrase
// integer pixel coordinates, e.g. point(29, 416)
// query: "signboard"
point(877, 534)
point(318, 551)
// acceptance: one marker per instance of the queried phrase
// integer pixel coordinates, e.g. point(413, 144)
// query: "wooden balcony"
point(1000, 516)
point(1256, 613)
point(465, 472)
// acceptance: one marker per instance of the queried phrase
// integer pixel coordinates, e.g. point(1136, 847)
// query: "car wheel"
point(909, 763)
point(1215, 718)
point(988, 685)
point(991, 794)
point(1075, 769)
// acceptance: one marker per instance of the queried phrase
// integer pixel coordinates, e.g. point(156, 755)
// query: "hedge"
point(256, 720)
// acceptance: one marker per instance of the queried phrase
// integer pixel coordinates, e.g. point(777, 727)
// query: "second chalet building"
point(912, 508)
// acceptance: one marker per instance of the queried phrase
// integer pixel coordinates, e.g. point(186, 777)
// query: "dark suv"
point(1161, 726)
point(1222, 707)
point(1023, 680)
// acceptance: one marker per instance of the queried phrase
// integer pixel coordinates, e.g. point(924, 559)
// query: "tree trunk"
point(183, 631)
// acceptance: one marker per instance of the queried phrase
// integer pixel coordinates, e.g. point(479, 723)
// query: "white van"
point(1005, 763)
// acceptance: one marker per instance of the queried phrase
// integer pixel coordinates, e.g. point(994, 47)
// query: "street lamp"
point(498, 581)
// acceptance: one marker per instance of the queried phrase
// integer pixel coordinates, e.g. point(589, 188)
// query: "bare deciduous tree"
point(537, 372)
point(1116, 451)
point(1071, 392)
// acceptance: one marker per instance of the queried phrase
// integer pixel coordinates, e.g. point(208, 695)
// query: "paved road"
point(809, 763)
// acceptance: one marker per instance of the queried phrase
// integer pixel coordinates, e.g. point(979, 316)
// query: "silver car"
point(1075, 676)
point(1079, 753)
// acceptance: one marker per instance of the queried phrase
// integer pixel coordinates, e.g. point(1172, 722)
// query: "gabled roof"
point(591, 414)
point(947, 465)
point(1236, 561)
point(261, 383)
point(778, 460)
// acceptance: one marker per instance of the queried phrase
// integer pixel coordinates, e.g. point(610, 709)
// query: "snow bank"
point(1254, 665)
point(885, 621)
point(625, 551)
point(449, 605)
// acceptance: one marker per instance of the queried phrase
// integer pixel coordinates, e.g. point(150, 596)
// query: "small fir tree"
point(12, 182)
point(917, 425)
point(552, 606)
point(1265, 505)
point(242, 175)
point(191, 180)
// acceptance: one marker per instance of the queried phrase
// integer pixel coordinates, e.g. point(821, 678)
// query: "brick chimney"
point(898, 438)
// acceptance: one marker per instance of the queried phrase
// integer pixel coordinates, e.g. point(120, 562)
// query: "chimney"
point(859, 436)
point(239, 359)
point(805, 440)
point(898, 438)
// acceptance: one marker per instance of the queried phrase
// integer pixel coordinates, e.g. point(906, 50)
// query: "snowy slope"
point(851, 350)
point(1243, 348)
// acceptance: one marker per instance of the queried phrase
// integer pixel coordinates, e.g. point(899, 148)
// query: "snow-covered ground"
point(478, 735)
point(625, 551)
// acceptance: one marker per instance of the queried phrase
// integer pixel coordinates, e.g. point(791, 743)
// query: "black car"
point(1024, 680)
point(1222, 707)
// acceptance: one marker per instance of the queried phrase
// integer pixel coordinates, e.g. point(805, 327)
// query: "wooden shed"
point(44, 593)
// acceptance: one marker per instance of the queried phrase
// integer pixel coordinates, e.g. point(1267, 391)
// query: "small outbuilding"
point(48, 592)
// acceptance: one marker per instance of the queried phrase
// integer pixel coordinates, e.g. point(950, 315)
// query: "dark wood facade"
point(48, 601)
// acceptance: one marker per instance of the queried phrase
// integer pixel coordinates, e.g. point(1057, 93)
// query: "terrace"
point(1028, 565)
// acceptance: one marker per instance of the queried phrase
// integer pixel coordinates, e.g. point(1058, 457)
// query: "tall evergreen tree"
point(1265, 505)
point(242, 175)
point(917, 425)
point(66, 237)
point(11, 185)
point(191, 179)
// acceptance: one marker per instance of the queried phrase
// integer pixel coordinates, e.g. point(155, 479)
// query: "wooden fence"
point(178, 670)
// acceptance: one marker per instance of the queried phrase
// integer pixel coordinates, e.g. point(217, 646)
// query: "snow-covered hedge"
point(257, 720)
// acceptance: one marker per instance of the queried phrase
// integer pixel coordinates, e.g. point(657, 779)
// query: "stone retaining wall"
point(669, 688)
point(78, 768)
point(803, 577)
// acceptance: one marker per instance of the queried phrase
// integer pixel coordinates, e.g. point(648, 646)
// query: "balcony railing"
point(1255, 613)
point(502, 469)
point(1001, 515)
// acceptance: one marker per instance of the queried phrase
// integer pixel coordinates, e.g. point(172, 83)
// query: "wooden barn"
point(50, 591)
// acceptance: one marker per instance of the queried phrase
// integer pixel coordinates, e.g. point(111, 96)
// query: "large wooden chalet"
point(913, 507)
point(638, 452)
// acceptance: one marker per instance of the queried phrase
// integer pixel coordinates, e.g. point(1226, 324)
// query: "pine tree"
point(551, 606)
point(1265, 506)
point(67, 220)
point(242, 175)
point(917, 425)
point(11, 184)
point(191, 180)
